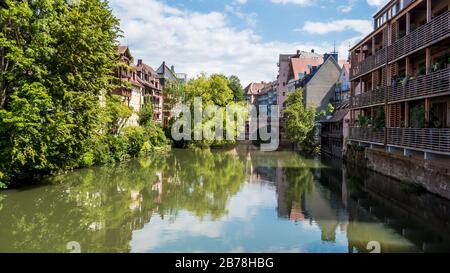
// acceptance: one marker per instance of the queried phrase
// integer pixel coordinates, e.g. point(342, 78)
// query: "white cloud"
point(248, 18)
point(377, 3)
point(297, 2)
point(360, 26)
point(200, 42)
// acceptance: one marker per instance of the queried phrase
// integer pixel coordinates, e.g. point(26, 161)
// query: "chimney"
point(172, 68)
point(298, 52)
point(139, 62)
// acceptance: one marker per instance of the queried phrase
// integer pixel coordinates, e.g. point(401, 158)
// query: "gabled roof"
point(254, 87)
point(165, 72)
point(302, 65)
point(317, 73)
point(346, 67)
point(146, 68)
point(267, 87)
point(125, 51)
point(122, 49)
point(340, 113)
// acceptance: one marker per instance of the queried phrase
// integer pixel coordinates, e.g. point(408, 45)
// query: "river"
point(239, 200)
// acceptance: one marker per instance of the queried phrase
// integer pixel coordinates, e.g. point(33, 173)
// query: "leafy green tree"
point(214, 90)
point(146, 114)
point(236, 86)
point(55, 60)
point(300, 121)
point(116, 114)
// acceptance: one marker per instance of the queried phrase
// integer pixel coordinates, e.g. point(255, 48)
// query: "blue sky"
point(241, 37)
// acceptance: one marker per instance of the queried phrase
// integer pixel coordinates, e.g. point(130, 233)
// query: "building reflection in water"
point(103, 208)
point(364, 205)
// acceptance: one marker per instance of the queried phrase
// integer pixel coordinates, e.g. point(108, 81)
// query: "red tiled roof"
point(300, 65)
point(122, 49)
point(145, 68)
point(253, 88)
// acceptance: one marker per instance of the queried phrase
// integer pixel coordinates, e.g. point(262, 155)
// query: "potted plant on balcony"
point(379, 121)
point(437, 65)
point(363, 121)
point(422, 70)
point(418, 117)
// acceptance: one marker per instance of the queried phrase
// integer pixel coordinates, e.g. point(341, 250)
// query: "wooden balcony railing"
point(433, 31)
point(122, 91)
point(370, 63)
point(433, 83)
point(367, 134)
point(426, 139)
point(372, 97)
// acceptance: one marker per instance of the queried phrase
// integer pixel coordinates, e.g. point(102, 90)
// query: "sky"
point(239, 37)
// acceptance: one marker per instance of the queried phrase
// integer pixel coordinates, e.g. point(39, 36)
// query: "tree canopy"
point(56, 60)
point(214, 90)
point(300, 121)
point(235, 85)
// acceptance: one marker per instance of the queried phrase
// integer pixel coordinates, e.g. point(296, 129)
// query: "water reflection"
point(238, 200)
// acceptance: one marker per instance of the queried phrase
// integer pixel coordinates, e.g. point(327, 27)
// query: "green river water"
point(239, 200)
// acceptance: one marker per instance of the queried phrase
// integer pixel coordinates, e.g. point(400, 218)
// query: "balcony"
point(367, 134)
point(369, 98)
point(437, 140)
point(425, 35)
point(122, 91)
point(426, 85)
point(370, 63)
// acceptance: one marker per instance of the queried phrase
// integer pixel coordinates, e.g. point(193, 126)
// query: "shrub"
point(136, 136)
point(87, 159)
point(118, 146)
point(101, 149)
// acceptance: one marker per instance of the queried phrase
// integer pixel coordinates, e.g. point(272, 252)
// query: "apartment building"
point(139, 85)
point(165, 76)
point(319, 84)
point(152, 89)
point(400, 80)
point(294, 67)
point(130, 89)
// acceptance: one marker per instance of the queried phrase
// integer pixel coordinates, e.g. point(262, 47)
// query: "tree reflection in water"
point(100, 207)
point(312, 207)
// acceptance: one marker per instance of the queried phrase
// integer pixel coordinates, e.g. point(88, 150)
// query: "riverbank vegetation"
point(301, 122)
point(217, 93)
point(56, 113)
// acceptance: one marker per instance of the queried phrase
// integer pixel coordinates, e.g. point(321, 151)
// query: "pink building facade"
point(152, 92)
